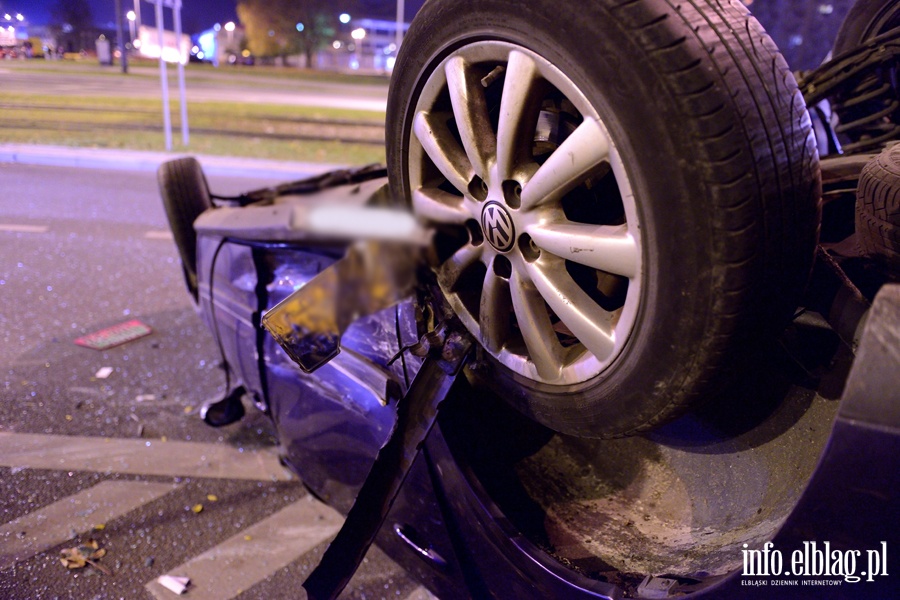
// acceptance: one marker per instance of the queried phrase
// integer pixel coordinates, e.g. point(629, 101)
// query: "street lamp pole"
point(137, 16)
point(182, 97)
point(130, 15)
point(229, 28)
point(163, 75)
point(120, 36)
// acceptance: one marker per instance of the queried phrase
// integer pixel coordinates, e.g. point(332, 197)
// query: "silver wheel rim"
point(552, 297)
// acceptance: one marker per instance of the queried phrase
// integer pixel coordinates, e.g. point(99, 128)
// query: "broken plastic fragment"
point(103, 372)
point(175, 584)
point(115, 335)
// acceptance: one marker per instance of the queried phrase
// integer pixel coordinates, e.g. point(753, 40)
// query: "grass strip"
point(236, 129)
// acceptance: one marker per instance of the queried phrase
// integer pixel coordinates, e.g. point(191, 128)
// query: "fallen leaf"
point(85, 554)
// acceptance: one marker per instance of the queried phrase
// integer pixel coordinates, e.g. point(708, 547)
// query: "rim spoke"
point(461, 260)
point(585, 319)
point(568, 166)
point(479, 125)
point(494, 312)
point(471, 112)
point(440, 146)
point(604, 247)
point(438, 206)
point(544, 348)
point(519, 110)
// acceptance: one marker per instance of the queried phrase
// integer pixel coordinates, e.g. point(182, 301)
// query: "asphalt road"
point(224, 85)
point(124, 459)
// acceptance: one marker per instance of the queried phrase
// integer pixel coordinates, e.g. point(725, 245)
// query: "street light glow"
point(130, 16)
point(358, 34)
point(19, 17)
point(229, 26)
point(344, 18)
point(7, 17)
point(300, 27)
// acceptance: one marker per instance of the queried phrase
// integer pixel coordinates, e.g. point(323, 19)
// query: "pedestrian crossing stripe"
point(33, 533)
point(221, 572)
point(139, 457)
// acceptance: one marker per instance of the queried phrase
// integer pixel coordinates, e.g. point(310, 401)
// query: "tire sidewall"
point(864, 20)
point(185, 194)
point(601, 58)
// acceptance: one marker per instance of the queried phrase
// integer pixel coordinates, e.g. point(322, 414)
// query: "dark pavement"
point(84, 249)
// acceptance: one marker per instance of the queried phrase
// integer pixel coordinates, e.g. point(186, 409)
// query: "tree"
point(284, 27)
point(265, 27)
point(72, 24)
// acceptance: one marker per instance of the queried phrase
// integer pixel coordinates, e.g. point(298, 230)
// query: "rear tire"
point(878, 208)
point(185, 195)
point(713, 162)
point(867, 119)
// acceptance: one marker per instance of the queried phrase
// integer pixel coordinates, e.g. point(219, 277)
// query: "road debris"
point(103, 372)
point(86, 554)
point(175, 584)
point(115, 335)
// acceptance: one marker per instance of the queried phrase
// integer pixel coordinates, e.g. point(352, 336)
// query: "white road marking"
point(241, 561)
point(52, 525)
point(421, 593)
point(159, 235)
point(139, 456)
point(18, 228)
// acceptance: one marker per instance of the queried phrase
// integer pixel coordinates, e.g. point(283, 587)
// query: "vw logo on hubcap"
point(498, 226)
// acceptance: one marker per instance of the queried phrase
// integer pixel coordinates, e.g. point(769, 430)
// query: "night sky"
point(196, 14)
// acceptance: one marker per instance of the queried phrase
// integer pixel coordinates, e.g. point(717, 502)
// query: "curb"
point(134, 160)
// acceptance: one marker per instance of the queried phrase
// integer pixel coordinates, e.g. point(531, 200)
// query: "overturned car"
point(617, 319)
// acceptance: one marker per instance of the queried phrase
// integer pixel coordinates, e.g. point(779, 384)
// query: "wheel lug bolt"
point(512, 193)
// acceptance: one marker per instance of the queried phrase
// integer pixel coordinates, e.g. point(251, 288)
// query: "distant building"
point(368, 45)
point(13, 30)
point(220, 44)
point(8, 36)
point(147, 45)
